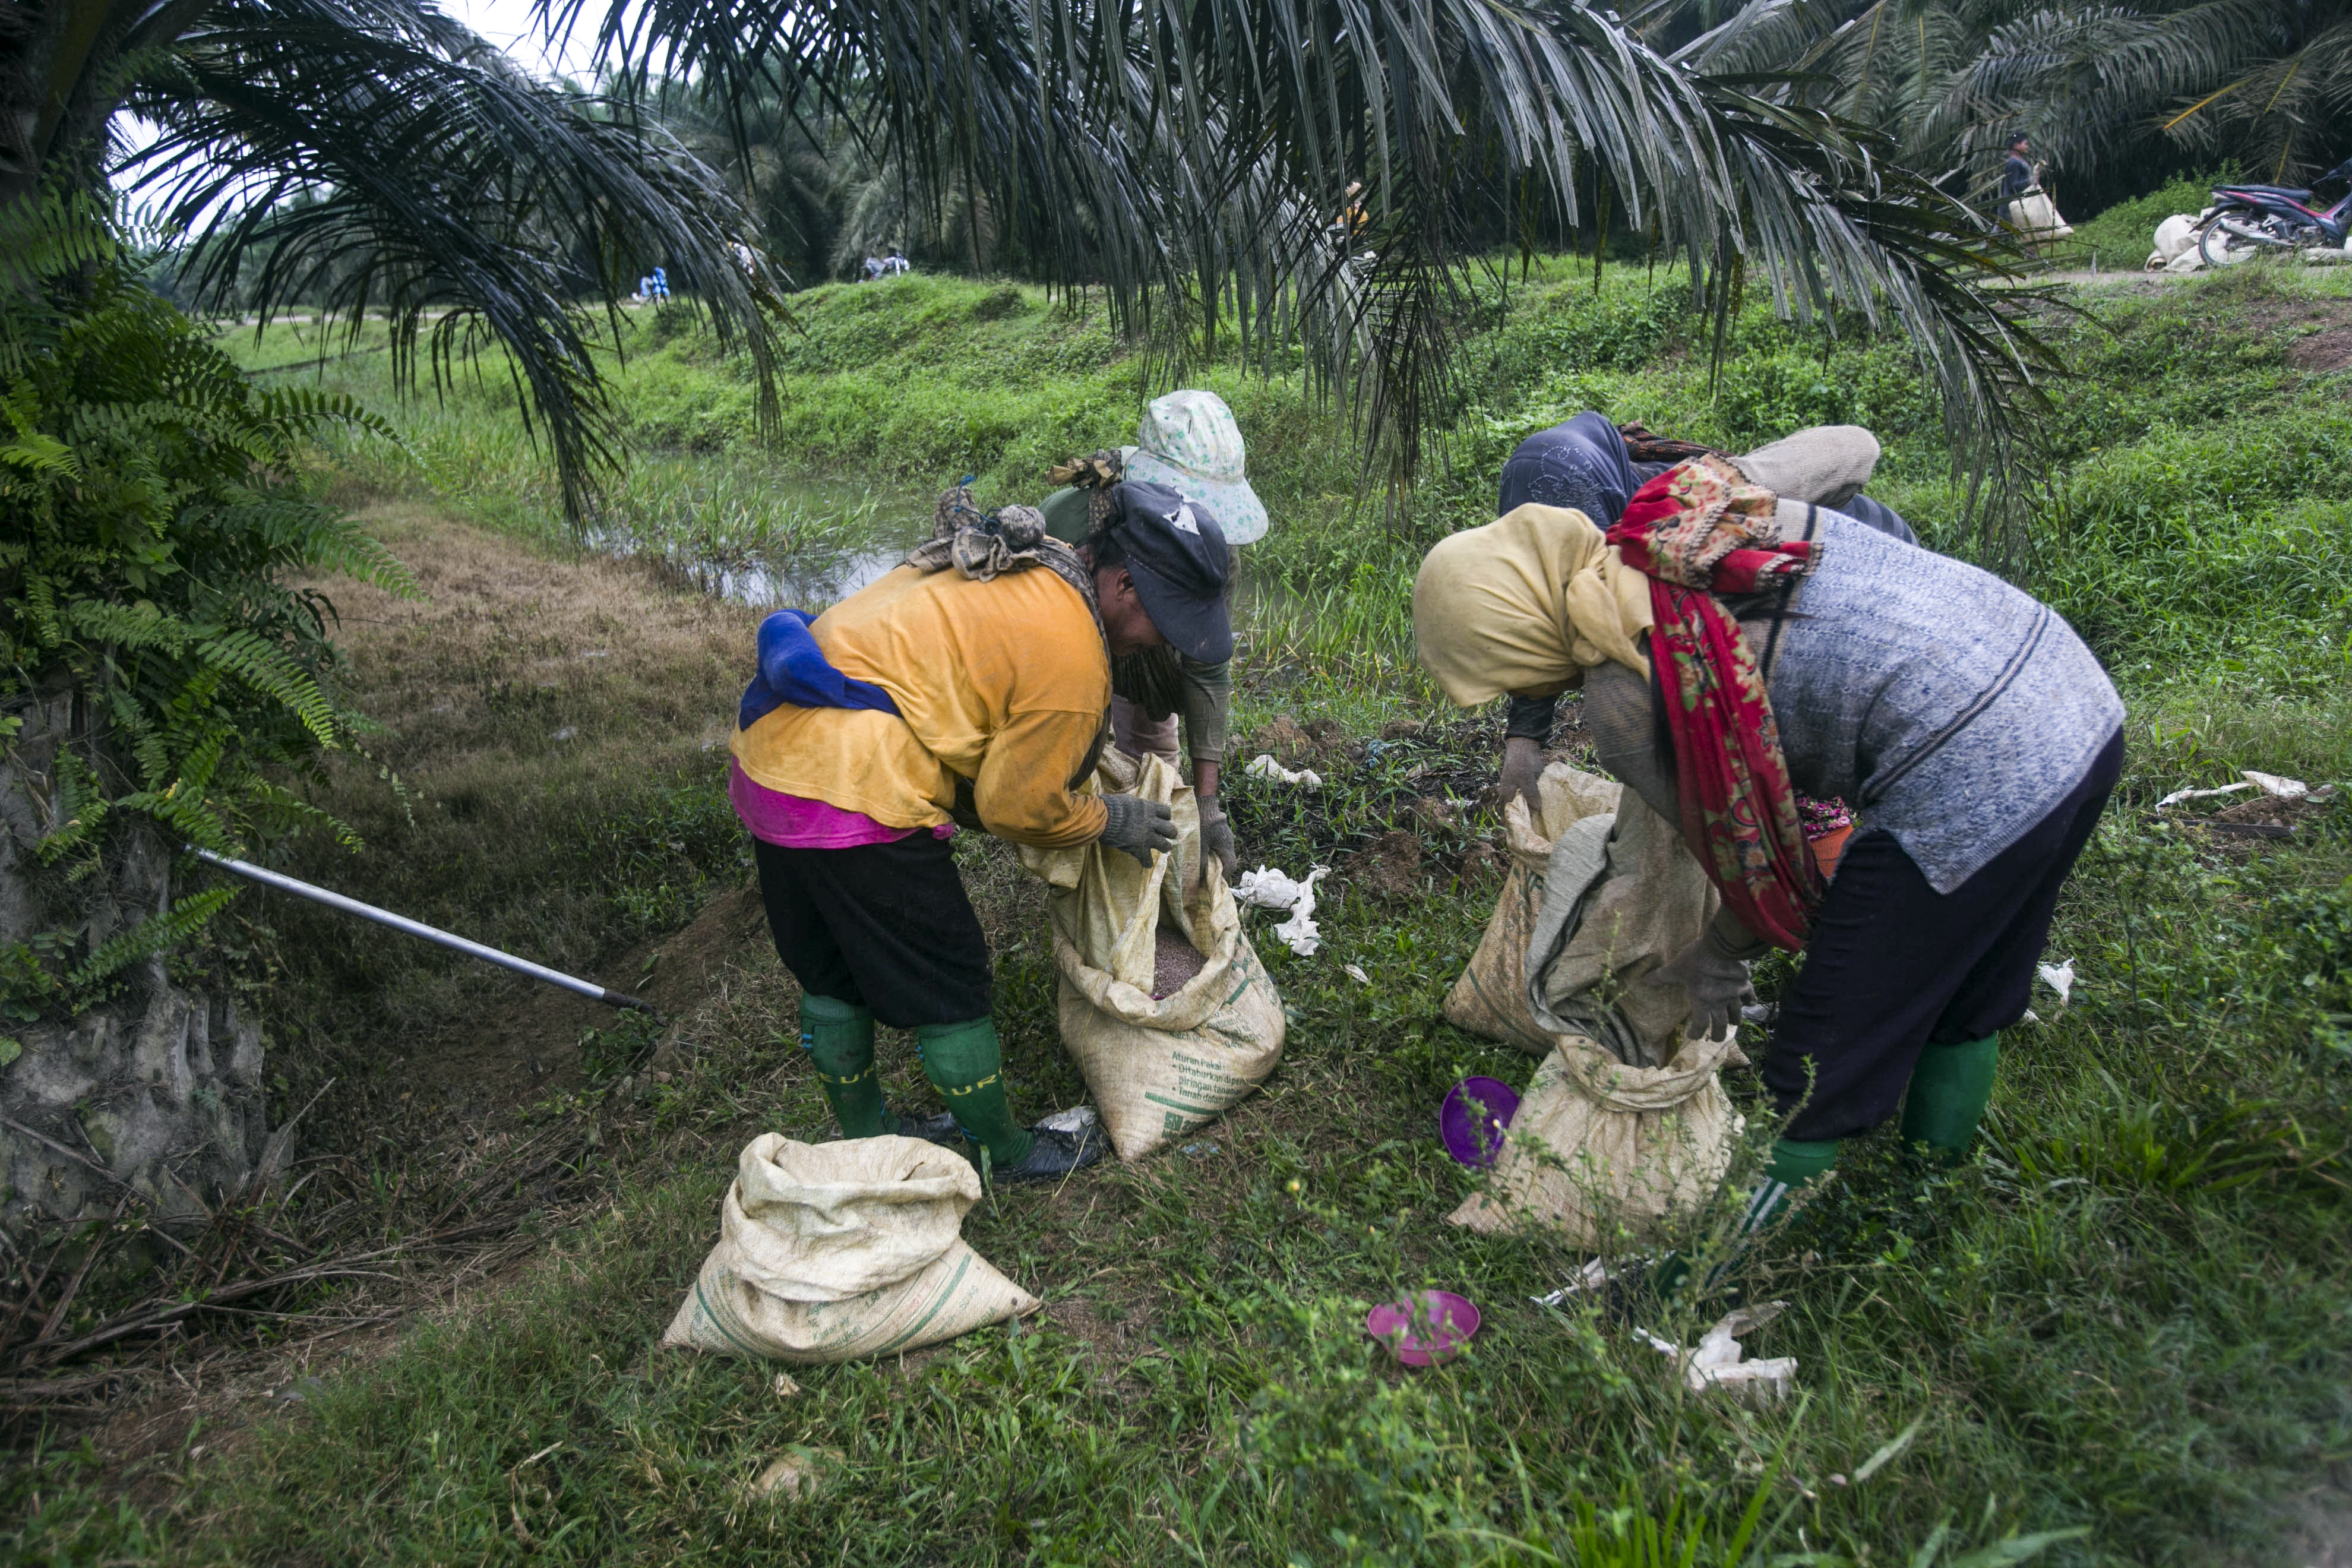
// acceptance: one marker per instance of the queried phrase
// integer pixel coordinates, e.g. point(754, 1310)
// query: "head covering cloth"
point(1526, 605)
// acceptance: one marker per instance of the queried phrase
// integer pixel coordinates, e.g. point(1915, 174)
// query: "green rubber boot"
point(1949, 1089)
point(839, 1039)
point(1795, 1165)
point(963, 1063)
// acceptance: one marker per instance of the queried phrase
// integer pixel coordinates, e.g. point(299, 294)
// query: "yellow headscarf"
point(1526, 604)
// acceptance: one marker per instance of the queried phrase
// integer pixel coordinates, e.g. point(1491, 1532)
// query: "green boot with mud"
point(1795, 1165)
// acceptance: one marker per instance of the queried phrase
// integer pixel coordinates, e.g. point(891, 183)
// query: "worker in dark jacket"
point(1589, 465)
point(2017, 171)
point(969, 684)
point(1735, 648)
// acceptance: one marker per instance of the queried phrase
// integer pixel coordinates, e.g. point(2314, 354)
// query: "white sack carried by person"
point(2035, 215)
point(1158, 1067)
point(833, 1252)
point(1626, 1121)
point(1490, 1000)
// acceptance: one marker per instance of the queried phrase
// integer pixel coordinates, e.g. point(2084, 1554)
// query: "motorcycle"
point(2248, 220)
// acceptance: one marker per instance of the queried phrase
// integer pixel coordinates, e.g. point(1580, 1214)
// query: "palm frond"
point(470, 205)
point(1197, 151)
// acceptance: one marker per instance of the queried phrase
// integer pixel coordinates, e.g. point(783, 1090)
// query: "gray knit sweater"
point(1953, 711)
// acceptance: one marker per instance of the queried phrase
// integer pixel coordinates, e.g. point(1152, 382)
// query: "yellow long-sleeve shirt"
point(1003, 682)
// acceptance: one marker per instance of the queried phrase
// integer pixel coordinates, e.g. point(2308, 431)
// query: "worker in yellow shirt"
point(969, 684)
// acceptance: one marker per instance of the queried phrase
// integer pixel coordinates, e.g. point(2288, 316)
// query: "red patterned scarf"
point(1697, 531)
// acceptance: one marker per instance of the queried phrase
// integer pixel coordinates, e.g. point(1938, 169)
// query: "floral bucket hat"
point(1189, 442)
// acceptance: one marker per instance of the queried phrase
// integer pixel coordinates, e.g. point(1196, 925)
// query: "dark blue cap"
point(1176, 551)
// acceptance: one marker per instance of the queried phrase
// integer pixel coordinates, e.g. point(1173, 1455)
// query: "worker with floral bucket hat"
point(1188, 443)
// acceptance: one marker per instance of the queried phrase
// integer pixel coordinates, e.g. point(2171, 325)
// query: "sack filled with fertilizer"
point(1159, 1062)
point(1491, 998)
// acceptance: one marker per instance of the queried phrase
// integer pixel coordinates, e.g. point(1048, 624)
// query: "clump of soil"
point(1174, 962)
point(2249, 827)
point(1388, 868)
point(1482, 862)
point(1294, 745)
point(2322, 351)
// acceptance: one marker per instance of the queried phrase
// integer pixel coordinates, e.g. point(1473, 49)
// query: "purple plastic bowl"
point(1424, 1329)
point(1472, 1139)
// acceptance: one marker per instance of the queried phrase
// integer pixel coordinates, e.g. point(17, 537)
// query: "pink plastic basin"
point(1424, 1329)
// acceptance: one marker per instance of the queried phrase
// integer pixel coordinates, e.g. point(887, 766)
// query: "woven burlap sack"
point(1601, 1151)
point(1491, 998)
point(1157, 1069)
point(840, 1251)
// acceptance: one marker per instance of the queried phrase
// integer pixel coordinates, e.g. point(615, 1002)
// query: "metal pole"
point(301, 889)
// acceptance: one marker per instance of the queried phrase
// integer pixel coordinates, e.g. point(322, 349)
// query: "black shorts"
point(886, 926)
point(1892, 964)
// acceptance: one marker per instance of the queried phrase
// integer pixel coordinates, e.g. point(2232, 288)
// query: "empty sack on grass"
point(1157, 1067)
point(1491, 998)
point(840, 1251)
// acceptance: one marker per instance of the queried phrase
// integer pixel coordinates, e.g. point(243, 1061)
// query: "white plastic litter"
point(1300, 930)
point(2059, 977)
point(1264, 767)
point(2176, 796)
point(1267, 889)
point(1078, 1118)
point(1596, 1272)
point(1271, 889)
point(2271, 784)
point(1716, 1363)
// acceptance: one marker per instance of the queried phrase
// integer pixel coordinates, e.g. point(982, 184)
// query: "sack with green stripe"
point(1491, 998)
point(842, 1251)
point(1158, 1067)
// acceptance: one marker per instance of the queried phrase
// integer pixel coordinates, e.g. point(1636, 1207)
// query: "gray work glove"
point(1137, 825)
point(1717, 983)
point(1523, 764)
point(1217, 838)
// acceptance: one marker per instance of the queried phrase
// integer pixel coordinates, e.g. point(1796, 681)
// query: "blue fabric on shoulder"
point(793, 669)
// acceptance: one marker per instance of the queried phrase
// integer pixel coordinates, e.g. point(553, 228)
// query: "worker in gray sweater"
point(1736, 649)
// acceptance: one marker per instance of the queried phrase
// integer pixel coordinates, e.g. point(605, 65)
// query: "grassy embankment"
point(2129, 1314)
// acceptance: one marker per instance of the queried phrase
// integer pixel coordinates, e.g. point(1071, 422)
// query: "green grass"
point(2126, 1318)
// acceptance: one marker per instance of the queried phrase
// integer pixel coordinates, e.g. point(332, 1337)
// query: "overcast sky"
point(507, 24)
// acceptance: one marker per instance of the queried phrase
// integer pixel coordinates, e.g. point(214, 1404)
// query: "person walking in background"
point(2017, 174)
point(1190, 443)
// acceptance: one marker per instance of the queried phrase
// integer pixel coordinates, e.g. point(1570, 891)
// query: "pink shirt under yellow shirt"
point(794, 822)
